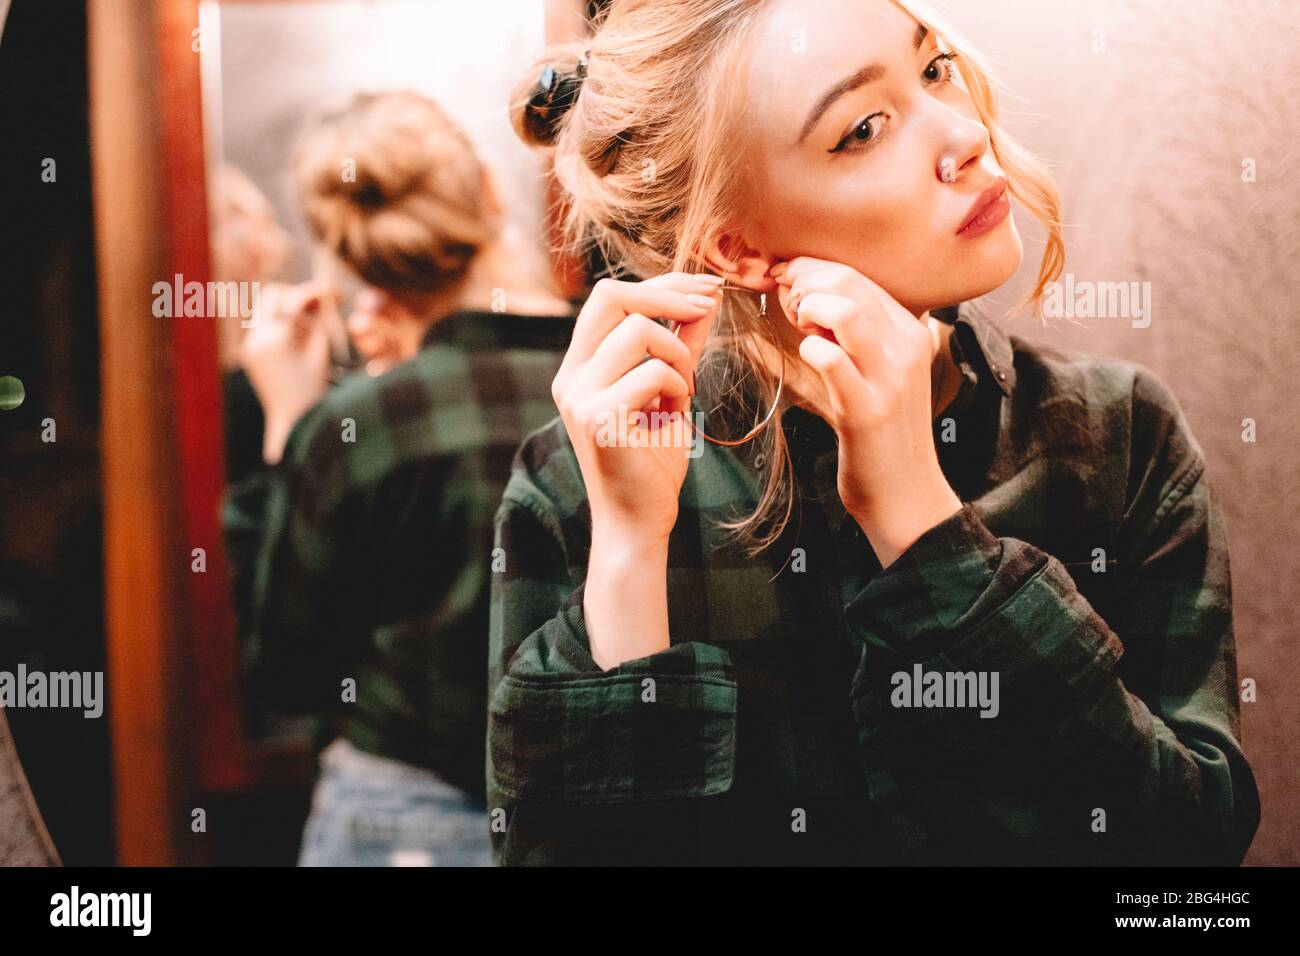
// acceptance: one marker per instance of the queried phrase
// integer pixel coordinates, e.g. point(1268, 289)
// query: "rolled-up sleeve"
point(565, 733)
point(1156, 776)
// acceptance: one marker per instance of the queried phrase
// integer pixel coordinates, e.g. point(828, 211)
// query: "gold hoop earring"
point(776, 399)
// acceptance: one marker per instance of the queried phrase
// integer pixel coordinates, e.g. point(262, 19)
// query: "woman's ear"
point(729, 255)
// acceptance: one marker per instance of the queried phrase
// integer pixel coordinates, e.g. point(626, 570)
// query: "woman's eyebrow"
point(868, 74)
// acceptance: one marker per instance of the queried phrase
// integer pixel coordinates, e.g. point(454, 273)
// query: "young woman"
point(960, 599)
point(369, 532)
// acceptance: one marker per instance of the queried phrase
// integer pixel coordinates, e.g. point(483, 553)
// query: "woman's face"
point(378, 326)
point(865, 149)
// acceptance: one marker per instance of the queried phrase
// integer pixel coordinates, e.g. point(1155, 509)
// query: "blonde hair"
point(248, 243)
point(393, 187)
point(644, 157)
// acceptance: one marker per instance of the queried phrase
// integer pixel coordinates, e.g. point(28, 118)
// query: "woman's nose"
point(965, 141)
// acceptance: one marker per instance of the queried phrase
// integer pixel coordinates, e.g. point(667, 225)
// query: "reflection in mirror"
point(368, 194)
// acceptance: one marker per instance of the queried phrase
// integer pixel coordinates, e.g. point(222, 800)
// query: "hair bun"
point(392, 185)
point(369, 195)
point(552, 97)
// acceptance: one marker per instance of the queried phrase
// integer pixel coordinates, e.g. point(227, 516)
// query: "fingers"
point(694, 335)
point(623, 310)
point(839, 320)
point(302, 306)
point(288, 325)
point(809, 274)
point(268, 329)
point(852, 310)
point(290, 312)
point(266, 307)
point(844, 383)
point(812, 273)
point(635, 390)
point(668, 296)
point(626, 346)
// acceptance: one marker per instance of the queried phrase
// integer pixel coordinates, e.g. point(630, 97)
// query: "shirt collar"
point(471, 329)
point(982, 344)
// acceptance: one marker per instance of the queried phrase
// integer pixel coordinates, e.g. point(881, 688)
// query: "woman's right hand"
point(634, 474)
point(286, 355)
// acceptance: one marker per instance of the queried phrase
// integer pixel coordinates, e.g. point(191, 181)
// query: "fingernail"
point(710, 279)
point(702, 302)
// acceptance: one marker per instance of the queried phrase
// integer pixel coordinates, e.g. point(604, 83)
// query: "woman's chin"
point(989, 265)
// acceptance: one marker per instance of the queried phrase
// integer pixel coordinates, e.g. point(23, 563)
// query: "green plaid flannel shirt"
point(367, 547)
point(767, 731)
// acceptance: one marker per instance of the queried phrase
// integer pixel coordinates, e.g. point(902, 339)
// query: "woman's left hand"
point(875, 359)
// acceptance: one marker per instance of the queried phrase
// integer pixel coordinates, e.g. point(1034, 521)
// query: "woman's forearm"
point(625, 601)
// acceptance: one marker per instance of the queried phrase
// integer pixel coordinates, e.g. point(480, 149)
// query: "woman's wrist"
point(275, 435)
point(625, 601)
point(892, 530)
point(626, 536)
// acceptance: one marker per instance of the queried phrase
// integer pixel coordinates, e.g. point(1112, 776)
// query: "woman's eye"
point(938, 71)
point(861, 135)
point(941, 68)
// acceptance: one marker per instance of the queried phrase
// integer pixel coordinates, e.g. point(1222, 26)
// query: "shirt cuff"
point(962, 601)
point(658, 727)
point(939, 585)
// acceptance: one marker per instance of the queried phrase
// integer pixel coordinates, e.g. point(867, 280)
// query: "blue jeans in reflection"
point(371, 811)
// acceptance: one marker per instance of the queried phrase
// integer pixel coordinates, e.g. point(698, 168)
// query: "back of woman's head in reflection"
point(392, 186)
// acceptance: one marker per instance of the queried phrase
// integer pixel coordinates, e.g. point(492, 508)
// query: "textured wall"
point(23, 838)
point(1148, 123)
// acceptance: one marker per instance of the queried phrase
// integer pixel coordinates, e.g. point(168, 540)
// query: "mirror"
point(274, 72)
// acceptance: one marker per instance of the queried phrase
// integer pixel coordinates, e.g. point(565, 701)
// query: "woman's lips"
point(989, 209)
